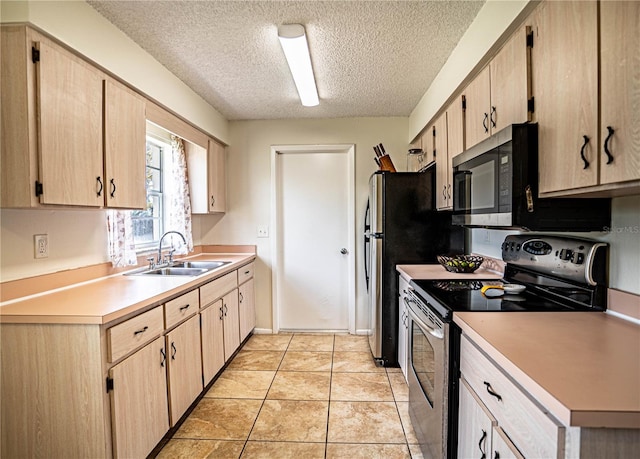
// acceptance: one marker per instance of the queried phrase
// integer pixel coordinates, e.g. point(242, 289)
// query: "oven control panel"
point(581, 260)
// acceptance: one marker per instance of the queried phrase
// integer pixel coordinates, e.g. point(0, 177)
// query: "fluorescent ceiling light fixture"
point(294, 44)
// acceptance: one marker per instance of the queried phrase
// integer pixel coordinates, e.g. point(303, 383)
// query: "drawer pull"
point(174, 351)
point(184, 308)
point(247, 273)
point(492, 392)
point(484, 435)
point(142, 330)
point(164, 357)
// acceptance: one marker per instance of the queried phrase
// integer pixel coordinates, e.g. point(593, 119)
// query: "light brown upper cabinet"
point(577, 154)
point(448, 142)
point(207, 182)
point(53, 125)
point(427, 143)
point(124, 147)
point(500, 94)
point(217, 177)
point(443, 164)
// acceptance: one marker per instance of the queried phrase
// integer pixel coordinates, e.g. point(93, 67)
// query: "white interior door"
point(314, 288)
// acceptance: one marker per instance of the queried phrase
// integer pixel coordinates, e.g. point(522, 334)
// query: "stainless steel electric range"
point(557, 273)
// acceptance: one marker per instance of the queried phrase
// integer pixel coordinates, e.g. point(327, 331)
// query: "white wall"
point(623, 239)
point(249, 186)
point(79, 26)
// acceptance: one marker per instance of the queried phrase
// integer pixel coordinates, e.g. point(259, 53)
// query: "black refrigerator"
point(402, 226)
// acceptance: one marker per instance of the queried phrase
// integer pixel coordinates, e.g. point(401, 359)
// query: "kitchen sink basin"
point(208, 265)
point(174, 271)
point(181, 268)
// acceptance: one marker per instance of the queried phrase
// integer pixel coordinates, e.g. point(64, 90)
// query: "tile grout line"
point(264, 398)
point(326, 438)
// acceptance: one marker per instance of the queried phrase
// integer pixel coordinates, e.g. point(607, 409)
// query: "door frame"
point(276, 244)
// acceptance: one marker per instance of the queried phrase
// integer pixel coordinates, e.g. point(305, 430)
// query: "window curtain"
point(177, 217)
point(177, 199)
point(121, 248)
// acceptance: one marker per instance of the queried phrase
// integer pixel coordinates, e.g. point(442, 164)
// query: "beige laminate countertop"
point(583, 366)
point(437, 272)
point(107, 299)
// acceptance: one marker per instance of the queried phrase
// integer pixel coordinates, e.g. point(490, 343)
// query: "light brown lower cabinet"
point(246, 308)
point(139, 410)
point(185, 367)
point(230, 321)
point(212, 331)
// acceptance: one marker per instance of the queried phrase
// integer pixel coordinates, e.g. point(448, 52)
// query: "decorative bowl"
point(460, 263)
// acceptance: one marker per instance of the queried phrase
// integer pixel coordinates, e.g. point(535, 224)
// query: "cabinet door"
point(503, 447)
point(510, 72)
point(69, 102)
point(475, 425)
point(427, 143)
point(443, 164)
point(565, 86)
point(478, 104)
point(217, 177)
point(455, 129)
point(124, 149)
point(139, 411)
point(246, 308)
point(403, 333)
point(212, 332)
point(231, 323)
point(620, 90)
point(185, 367)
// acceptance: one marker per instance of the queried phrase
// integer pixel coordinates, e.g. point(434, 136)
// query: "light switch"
point(263, 231)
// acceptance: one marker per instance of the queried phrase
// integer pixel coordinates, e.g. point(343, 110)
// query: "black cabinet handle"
point(174, 351)
point(586, 142)
point(142, 330)
point(493, 120)
point(606, 145)
point(164, 357)
point(491, 391)
point(496, 455)
point(99, 180)
point(113, 188)
point(484, 122)
point(185, 307)
point(213, 201)
point(221, 313)
point(484, 435)
point(241, 297)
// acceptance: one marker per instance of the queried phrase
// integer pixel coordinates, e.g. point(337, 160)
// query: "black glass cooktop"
point(449, 296)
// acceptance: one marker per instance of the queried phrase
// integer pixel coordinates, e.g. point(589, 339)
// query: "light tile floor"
point(300, 396)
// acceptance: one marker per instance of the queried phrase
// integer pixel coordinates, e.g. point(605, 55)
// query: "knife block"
point(386, 164)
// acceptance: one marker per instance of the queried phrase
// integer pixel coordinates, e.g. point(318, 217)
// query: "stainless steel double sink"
point(181, 268)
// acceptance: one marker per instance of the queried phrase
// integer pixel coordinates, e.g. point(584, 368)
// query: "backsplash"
point(623, 239)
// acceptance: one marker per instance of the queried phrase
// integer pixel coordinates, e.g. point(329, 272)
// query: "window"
point(148, 224)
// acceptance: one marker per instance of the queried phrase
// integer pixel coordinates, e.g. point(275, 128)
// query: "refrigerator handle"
point(367, 226)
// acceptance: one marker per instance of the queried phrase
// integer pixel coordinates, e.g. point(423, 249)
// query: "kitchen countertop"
point(437, 272)
point(111, 298)
point(583, 366)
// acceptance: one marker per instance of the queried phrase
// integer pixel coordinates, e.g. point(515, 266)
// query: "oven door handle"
point(432, 331)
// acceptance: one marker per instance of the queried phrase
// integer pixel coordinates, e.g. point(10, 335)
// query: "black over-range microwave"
point(495, 184)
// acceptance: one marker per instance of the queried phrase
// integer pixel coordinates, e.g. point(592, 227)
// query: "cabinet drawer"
point(127, 336)
point(245, 273)
point(532, 431)
point(218, 288)
point(180, 308)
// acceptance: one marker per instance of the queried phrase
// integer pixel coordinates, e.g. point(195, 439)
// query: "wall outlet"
point(263, 231)
point(41, 243)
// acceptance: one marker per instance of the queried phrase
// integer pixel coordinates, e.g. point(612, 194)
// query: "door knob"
point(344, 251)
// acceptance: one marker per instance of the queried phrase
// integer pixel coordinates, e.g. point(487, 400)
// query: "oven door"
point(428, 382)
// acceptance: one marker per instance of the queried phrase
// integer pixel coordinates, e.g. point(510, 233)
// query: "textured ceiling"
point(370, 58)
